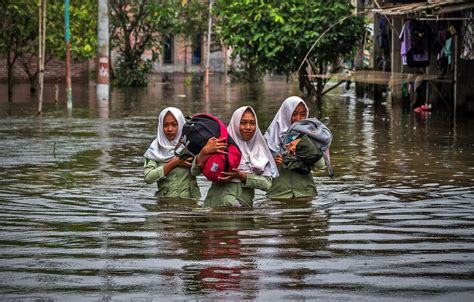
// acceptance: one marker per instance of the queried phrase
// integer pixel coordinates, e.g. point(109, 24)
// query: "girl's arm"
point(257, 182)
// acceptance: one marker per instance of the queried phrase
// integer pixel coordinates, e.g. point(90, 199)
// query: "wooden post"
point(455, 78)
point(225, 62)
point(56, 93)
point(209, 28)
point(41, 53)
point(396, 64)
point(68, 54)
point(103, 52)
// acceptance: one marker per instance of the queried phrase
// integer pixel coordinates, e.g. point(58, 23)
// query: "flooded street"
point(78, 221)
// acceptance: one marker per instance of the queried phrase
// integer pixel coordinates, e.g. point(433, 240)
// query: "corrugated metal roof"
point(418, 8)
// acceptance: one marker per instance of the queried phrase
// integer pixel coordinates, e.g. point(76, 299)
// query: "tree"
point(83, 26)
point(19, 34)
point(137, 26)
point(275, 35)
point(19, 29)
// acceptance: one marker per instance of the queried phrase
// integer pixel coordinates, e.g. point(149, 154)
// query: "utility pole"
point(209, 28)
point(103, 52)
point(68, 55)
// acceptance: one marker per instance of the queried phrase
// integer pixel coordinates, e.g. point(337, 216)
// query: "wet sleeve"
point(195, 169)
point(320, 164)
point(153, 171)
point(258, 182)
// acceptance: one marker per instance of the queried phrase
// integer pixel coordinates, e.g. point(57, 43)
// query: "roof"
point(425, 8)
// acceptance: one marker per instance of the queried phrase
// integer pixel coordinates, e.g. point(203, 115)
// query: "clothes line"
point(444, 19)
point(379, 77)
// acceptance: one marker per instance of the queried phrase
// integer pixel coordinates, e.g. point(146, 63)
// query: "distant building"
point(179, 55)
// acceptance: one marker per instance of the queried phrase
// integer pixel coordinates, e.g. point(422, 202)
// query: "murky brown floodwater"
point(77, 221)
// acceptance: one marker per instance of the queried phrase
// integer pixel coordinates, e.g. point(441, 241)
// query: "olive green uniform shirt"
point(179, 183)
point(292, 185)
point(233, 194)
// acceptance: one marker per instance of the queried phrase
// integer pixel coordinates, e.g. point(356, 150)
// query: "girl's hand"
point(186, 163)
point(278, 159)
point(291, 147)
point(214, 145)
point(242, 176)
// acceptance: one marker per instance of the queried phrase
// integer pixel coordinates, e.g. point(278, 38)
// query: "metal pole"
point(103, 52)
point(209, 28)
point(68, 55)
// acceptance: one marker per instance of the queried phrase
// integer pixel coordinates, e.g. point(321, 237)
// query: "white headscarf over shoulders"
point(162, 149)
point(281, 122)
point(256, 157)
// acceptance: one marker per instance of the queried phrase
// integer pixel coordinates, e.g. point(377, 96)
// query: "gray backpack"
point(319, 133)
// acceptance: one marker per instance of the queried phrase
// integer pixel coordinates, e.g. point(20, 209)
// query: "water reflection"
point(77, 219)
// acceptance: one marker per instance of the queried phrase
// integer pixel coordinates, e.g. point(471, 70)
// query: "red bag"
point(213, 165)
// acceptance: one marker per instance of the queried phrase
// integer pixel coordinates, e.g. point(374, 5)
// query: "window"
point(197, 49)
point(168, 50)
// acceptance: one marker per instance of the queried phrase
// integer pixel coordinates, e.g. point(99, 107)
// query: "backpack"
point(319, 135)
point(195, 134)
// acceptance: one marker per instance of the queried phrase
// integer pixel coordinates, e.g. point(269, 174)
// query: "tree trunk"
point(305, 84)
point(10, 75)
point(319, 89)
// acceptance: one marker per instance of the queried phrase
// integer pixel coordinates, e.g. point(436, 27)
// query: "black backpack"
point(197, 131)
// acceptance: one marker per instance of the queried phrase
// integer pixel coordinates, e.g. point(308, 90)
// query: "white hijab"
point(256, 157)
point(162, 149)
point(281, 122)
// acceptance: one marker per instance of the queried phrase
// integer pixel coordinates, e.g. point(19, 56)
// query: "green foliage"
point(20, 23)
point(18, 27)
point(83, 28)
point(276, 35)
point(193, 18)
point(133, 73)
point(137, 26)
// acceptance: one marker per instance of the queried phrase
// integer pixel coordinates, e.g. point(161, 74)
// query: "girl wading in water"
point(290, 184)
point(256, 168)
point(172, 174)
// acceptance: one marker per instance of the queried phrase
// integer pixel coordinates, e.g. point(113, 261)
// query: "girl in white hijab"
point(290, 184)
point(172, 174)
point(256, 168)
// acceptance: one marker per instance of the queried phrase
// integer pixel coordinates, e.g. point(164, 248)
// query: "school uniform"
point(257, 162)
point(179, 182)
point(289, 184)
point(294, 185)
point(233, 194)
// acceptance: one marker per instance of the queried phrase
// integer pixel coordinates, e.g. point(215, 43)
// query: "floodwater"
point(78, 222)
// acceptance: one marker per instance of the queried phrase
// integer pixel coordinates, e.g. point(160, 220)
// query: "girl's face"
point(170, 126)
point(248, 125)
point(299, 113)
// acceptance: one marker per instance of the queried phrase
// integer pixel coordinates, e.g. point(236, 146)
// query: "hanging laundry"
point(467, 46)
point(415, 43)
point(405, 44)
point(447, 50)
